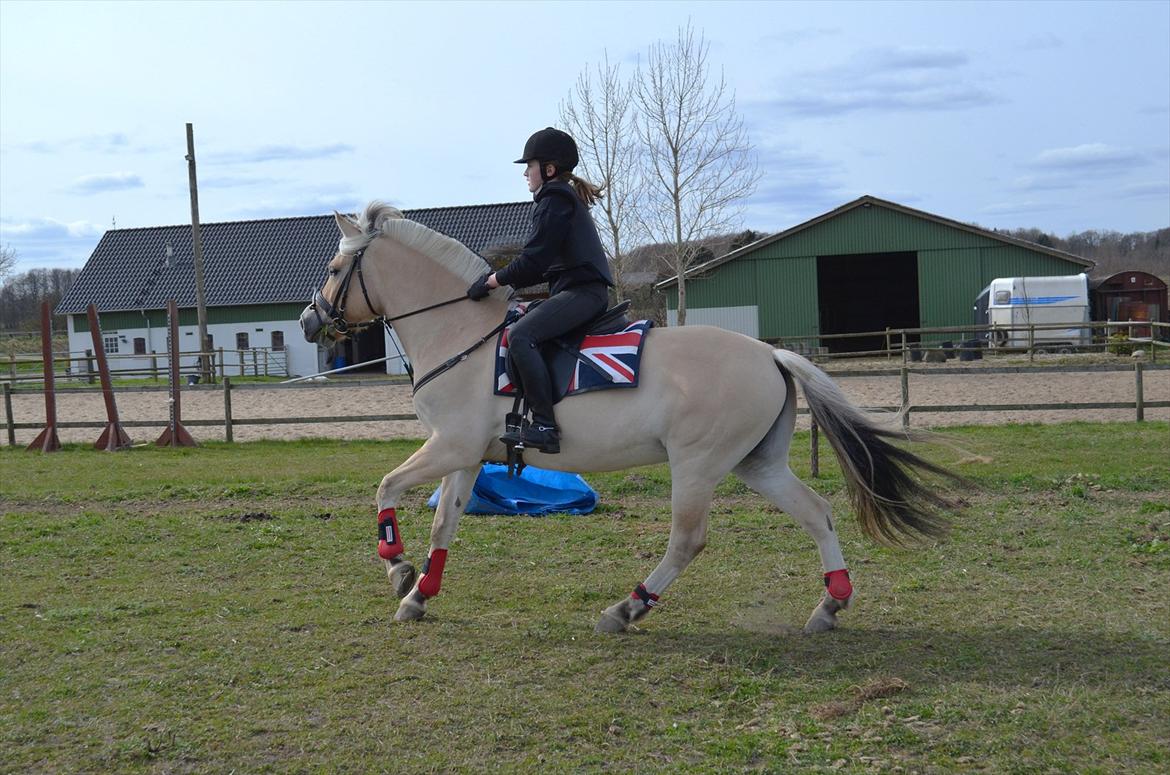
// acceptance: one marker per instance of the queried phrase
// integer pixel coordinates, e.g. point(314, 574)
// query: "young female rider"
point(564, 250)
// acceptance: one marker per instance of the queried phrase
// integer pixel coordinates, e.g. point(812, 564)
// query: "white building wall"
point(304, 358)
point(745, 320)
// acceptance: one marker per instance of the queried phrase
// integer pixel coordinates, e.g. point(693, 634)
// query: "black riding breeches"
point(556, 316)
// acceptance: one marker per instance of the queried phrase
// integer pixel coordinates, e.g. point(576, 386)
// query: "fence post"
point(265, 363)
point(222, 365)
point(9, 422)
point(227, 408)
point(12, 366)
point(153, 366)
point(242, 367)
point(905, 355)
point(1139, 401)
point(89, 365)
point(889, 352)
point(1031, 343)
point(905, 397)
point(255, 365)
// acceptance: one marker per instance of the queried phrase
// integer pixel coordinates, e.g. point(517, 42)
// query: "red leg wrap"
point(432, 576)
point(389, 539)
point(641, 593)
point(838, 584)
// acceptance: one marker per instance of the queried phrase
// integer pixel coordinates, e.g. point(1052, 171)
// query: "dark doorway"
point(365, 346)
point(866, 292)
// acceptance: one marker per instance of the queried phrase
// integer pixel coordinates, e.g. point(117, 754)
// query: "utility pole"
point(197, 243)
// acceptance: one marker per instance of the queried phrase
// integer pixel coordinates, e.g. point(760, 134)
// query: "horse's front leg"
point(433, 460)
point(456, 490)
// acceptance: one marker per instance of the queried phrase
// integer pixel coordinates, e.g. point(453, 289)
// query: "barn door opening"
point(866, 292)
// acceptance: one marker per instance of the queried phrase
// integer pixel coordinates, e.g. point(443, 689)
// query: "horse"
point(709, 402)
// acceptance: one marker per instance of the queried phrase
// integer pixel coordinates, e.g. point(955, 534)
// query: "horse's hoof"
point(824, 617)
point(410, 611)
point(402, 576)
point(610, 623)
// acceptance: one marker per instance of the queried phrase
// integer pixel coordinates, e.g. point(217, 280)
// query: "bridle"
point(335, 312)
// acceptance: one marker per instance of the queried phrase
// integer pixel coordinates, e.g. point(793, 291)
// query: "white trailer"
point(1011, 305)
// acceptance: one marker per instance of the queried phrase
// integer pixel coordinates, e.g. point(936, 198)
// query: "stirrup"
point(513, 439)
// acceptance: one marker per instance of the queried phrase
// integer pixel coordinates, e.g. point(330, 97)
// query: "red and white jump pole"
point(114, 437)
point(46, 440)
point(175, 435)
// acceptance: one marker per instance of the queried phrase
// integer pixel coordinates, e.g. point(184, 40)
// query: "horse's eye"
point(332, 272)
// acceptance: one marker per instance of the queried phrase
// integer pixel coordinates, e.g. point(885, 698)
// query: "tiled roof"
point(253, 262)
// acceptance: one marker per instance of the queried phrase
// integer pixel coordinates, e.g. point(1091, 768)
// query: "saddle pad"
point(615, 358)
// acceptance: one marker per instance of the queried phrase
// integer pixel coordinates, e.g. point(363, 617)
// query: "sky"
point(1052, 115)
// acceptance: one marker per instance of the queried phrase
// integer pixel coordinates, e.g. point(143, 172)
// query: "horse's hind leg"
point(690, 503)
point(776, 482)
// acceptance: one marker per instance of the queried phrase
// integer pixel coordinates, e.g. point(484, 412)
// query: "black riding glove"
point(479, 289)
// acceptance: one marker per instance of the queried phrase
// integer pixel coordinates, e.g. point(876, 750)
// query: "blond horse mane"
point(382, 220)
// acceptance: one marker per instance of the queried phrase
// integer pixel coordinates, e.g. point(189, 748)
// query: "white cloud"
point(111, 181)
point(1089, 156)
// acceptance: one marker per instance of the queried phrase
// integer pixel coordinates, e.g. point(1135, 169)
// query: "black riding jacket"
point(563, 248)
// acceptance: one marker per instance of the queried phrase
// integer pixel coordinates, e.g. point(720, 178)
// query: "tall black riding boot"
point(542, 434)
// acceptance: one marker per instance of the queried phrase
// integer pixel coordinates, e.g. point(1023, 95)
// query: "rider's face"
point(532, 175)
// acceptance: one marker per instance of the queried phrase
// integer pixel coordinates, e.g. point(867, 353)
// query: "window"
point(277, 340)
point(242, 340)
point(139, 345)
point(210, 342)
point(1003, 297)
point(110, 343)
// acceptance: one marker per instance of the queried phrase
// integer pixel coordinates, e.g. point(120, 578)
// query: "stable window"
point(139, 345)
point(277, 340)
point(242, 340)
point(110, 343)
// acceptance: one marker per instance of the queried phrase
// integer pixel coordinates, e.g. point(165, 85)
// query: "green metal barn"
point(866, 266)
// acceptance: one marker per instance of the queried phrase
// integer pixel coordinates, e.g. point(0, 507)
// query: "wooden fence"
point(906, 407)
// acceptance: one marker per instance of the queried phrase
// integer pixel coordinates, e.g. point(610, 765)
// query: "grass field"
point(220, 609)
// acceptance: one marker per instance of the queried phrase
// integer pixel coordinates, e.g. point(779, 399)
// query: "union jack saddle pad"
point(598, 362)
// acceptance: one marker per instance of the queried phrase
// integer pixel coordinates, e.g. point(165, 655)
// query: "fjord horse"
point(709, 402)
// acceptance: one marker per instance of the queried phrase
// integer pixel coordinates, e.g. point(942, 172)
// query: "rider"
point(563, 248)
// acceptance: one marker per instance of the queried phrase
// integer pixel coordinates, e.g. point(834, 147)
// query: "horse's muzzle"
point(313, 323)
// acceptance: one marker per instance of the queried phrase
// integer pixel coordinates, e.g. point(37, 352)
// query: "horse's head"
point(341, 306)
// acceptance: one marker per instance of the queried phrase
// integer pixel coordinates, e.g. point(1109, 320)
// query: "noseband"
point(335, 311)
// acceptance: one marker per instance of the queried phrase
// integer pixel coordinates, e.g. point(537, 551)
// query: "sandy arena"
point(937, 388)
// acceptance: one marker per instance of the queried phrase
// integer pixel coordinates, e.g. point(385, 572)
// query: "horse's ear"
point(346, 225)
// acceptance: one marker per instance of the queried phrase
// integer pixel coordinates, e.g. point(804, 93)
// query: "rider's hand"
point(479, 289)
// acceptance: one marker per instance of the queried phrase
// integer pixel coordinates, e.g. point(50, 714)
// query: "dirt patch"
point(875, 689)
point(251, 516)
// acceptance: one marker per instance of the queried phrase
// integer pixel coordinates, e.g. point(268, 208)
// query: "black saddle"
point(562, 354)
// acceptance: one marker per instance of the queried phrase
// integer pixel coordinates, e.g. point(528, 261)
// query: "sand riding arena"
point(940, 386)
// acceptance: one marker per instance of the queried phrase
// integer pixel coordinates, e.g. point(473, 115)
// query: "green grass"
point(220, 609)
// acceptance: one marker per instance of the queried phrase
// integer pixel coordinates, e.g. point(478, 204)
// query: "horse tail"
point(893, 504)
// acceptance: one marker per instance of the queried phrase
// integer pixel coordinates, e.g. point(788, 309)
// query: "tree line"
point(21, 296)
point(1113, 251)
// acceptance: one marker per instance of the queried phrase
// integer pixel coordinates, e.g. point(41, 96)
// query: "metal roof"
point(869, 201)
point(271, 261)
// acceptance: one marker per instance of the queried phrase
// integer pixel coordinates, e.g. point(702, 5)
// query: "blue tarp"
point(535, 491)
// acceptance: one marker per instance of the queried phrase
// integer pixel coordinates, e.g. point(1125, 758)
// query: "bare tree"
point(600, 116)
point(698, 162)
point(7, 261)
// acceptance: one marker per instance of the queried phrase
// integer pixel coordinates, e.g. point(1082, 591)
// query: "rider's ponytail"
point(589, 193)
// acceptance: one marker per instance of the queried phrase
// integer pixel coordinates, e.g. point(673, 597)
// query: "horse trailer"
point(1011, 306)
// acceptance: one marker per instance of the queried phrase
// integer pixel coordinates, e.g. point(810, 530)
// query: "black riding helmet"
point(551, 146)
